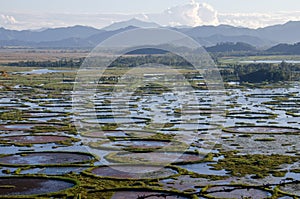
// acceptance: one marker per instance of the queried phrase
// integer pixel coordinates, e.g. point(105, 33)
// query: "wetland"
point(152, 141)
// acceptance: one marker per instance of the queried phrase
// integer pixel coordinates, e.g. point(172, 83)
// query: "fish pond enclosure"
point(150, 141)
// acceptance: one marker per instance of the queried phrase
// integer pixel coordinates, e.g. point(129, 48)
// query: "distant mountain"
point(231, 47)
point(66, 43)
point(132, 22)
point(207, 31)
point(216, 39)
point(72, 42)
point(285, 49)
point(53, 34)
point(82, 36)
point(97, 38)
point(286, 33)
point(17, 43)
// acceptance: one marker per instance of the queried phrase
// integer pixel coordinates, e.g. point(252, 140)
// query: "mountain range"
point(89, 37)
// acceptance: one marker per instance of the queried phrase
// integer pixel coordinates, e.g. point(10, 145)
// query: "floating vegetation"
point(11, 115)
point(148, 144)
point(256, 165)
point(152, 89)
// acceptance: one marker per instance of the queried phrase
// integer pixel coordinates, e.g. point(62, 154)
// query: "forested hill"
point(230, 47)
point(293, 49)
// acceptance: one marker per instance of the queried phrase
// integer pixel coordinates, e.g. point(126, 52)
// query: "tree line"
point(252, 72)
point(262, 72)
point(70, 63)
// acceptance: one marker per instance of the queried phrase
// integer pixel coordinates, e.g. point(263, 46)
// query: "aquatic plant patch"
point(257, 165)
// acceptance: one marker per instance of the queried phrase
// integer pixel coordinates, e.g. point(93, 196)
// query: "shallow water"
point(204, 168)
point(45, 158)
point(219, 192)
point(133, 172)
point(54, 170)
point(149, 115)
point(43, 71)
point(30, 186)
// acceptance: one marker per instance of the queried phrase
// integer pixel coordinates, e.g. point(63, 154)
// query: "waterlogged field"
point(150, 143)
point(260, 59)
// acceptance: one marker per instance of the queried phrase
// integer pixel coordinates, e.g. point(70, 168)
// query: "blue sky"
point(24, 14)
point(143, 6)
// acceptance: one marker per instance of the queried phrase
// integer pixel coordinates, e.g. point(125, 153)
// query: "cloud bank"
point(6, 19)
point(191, 14)
point(257, 20)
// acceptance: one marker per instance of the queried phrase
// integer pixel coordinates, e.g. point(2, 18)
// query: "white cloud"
point(196, 14)
point(257, 20)
point(52, 20)
point(191, 14)
point(6, 19)
point(207, 14)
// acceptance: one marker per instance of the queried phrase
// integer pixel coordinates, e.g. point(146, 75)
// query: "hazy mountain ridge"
point(88, 37)
point(132, 22)
point(285, 33)
point(51, 34)
point(218, 38)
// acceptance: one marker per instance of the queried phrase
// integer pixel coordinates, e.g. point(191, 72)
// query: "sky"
point(35, 14)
